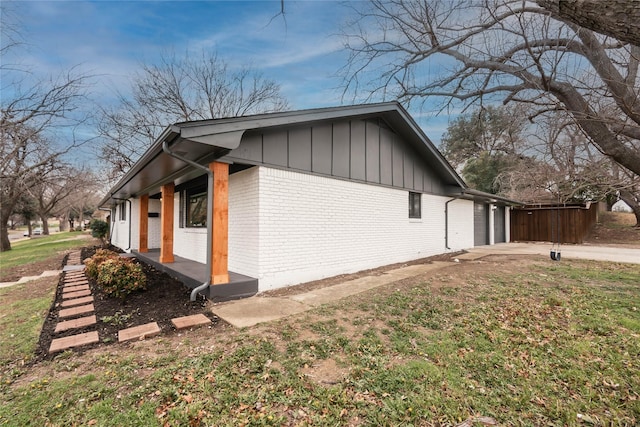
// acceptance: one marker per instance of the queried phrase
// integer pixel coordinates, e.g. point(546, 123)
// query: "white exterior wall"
point(120, 229)
point(120, 237)
point(460, 224)
point(313, 227)
point(288, 228)
point(243, 222)
point(190, 243)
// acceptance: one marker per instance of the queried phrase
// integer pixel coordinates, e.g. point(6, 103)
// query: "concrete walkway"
point(46, 273)
point(258, 309)
point(251, 311)
point(596, 253)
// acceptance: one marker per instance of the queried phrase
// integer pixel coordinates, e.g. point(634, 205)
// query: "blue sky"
point(111, 39)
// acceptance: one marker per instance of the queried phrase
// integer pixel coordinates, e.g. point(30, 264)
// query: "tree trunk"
point(45, 225)
point(5, 245)
point(634, 203)
point(5, 213)
point(63, 222)
point(616, 18)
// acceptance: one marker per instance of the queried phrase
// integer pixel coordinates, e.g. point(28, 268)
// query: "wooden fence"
point(571, 223)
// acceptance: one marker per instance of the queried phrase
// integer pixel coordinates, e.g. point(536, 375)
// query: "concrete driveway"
point(596, 253)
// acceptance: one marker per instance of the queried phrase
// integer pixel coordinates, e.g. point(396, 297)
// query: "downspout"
point(205, 285)
point(446, 222)
point(130, 221)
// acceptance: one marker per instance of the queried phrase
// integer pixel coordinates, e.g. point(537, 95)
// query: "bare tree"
point(28, 119)
point(181, 89)
point(509, 50)
point(616, 18)
point(58, 186)
point(83, 199)
point(10, 34)
point(563, 167)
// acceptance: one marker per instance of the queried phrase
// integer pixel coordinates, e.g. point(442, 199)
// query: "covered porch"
point(193, 274)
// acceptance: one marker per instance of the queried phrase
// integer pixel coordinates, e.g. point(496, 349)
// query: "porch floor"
point(193, 274)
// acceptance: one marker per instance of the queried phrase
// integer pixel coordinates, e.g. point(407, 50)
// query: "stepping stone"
point(73, 268)
point(76, 301)
point(78, 340)
point(74, 274)
point(76, 294)
point(76, 282)
point(75, 288)
point(75, 323)
point(75, 311)
point(139, 332)
point(190, 321)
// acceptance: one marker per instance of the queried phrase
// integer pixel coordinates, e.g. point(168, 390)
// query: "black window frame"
point(415, 205)
point(186, 197)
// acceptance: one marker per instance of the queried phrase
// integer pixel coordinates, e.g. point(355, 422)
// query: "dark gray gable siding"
point(358, 150)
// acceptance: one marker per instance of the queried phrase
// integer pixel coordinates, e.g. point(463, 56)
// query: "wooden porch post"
point(166, 231)
point(220, 240)
point(144, 224)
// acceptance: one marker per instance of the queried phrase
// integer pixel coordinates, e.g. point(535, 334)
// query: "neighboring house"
point(621, 206)
point(297, 196)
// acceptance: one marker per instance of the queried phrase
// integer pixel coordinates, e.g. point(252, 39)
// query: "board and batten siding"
point(312, 227)
point(357, 150)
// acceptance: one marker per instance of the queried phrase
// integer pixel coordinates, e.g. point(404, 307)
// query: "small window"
point(196, 209)
point(123, 211)
point(414, 205)
point(193, 203)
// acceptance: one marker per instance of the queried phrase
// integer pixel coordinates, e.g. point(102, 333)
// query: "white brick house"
point(297, 196)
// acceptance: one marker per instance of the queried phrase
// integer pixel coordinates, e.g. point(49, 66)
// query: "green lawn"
point(530, 343)
point(40, 248)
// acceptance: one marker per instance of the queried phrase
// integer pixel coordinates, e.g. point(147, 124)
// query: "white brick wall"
point(460, 224)
point(243, 222)
point(188, 243)
point(287, 227)
point(313, 227)
point(154, 225)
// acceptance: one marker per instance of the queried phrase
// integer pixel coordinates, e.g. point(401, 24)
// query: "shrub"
point(121, 276)
point(92, 264)
point(99, 229)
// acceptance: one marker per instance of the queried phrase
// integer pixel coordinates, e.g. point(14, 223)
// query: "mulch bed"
point(165, 298)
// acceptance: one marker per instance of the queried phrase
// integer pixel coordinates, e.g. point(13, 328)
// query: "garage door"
point(480, 224)
point(499, 234)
